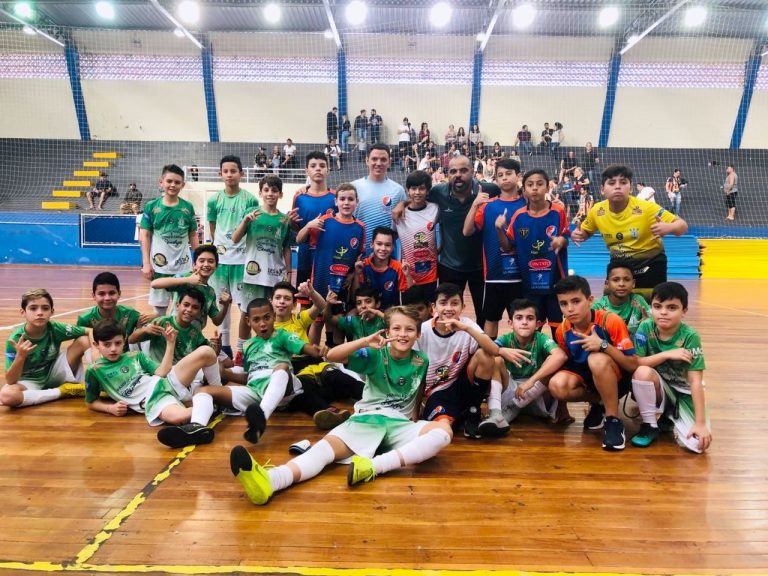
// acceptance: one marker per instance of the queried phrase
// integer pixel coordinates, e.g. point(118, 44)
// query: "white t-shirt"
point(648, 194)
point(289, 151)
point(404, 133)
point(448, 355)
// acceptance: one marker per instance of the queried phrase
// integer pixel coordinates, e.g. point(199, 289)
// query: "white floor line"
point(742, 310)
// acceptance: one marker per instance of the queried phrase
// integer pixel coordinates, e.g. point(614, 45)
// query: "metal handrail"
point(211, 174)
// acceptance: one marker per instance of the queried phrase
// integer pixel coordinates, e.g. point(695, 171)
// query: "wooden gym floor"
point(87, 492)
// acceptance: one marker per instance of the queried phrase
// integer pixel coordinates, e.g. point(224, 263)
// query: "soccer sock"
point(417, 450)
point(160, 310)
point(310, 464)
point(32, 397)
point(645, 396)
point(212, 374)
point(202, 408)
point(494, 396)
point(224, 328)
point(275, 392)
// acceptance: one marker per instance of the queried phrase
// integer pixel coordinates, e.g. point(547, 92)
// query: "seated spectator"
point(276, 160)
point(438, 177)
point(260, 159)
point(132, 201)
point(546, 137)
point(446, 156)
point(461, 138)
point(497, 153)
point(646, 192)
point(333, 154)
point(474, 136)
point(480, 152)
point(513, 155)
point(580, 180)
point(585, 204)
point(289, 155)
point(411, 159)
point(450, 136)
point(424, 136)
point(424, 163)
point(567, 165)
point(103, 188)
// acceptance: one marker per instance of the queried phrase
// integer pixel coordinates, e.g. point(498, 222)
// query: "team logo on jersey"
point(156, 210)
point(601, 211)
point(159, 259)
point(420, 240)
point(252, 268)
point(637, 210)
point(536, 247)
point(430, 226)
point(340, 252)
point(185, 210)
point(551, 231)
point(386, 201)
point(634, 232)
point(401, 381)
point(388, 285)
point(441, 374)
point(619, 236)
point(124, 369)
point(456, 357)
point(221, 250)
point(353, 243)
point(524, 233)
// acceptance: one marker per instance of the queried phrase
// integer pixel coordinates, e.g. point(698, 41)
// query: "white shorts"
point(159, 297)
point(172, 393)
point(537, 408)
point(60, 372)
point(681, 412)
point(370, 433)
point(244, 396)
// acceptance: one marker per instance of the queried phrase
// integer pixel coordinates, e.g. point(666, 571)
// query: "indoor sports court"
point(125, 88)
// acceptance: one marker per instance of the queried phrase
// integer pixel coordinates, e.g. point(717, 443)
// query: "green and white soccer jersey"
point(129, 379)
point(40, 360)
point(170, 227)
point(540, 348)
point(674, 372)
point(188, 340)
point(266, 238)
point(260, 356)
point(391, 385)
point(125, 317)
point(354, 327)
point(633, 311)
point(210, 309)
point(227, 212)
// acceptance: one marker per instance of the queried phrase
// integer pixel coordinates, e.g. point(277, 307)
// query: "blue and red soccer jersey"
point(338, 246)
point(310, 206)
point(532, 236)
point(498, 266)
point(389, 281)
point(607, 325)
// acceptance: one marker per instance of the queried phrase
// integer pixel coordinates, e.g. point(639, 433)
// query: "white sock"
point(161, 310)
point(280, 477)
point(212, 374)
point(494, 396)
point(415, 451)
point(240, 343)
point(32, 397)
point(310, 464)
point(224, 328)
point(202, 408)
point(645, 396)
point(275, 392)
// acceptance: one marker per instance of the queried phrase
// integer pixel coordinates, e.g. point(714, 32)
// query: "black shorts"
point(453, 401)
point(303, 275)
point(624, 383)
point(547, 307)
point(648, 271)
point(498, 297)
point(730, 200)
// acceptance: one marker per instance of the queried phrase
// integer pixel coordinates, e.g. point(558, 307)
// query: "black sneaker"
point(257, 423)
point(595, 418)
point(185, 435)
point(613, 434)
point(472, 424)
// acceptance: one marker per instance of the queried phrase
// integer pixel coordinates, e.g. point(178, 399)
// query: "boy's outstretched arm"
point(699, 429)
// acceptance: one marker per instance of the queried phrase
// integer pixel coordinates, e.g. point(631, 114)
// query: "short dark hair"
point(379, 146)
point(106, 278)
point(107, 329)
point(670, 291)
point(259, 303)
point(414, 295)
point(35, 294)
point(231, 158)
point(344, 186)
point(523, 304)
point(573, 284)
point(418, 178)
point(283, 285)
point(195, 294)
point(540, 171)
point(367, 292)
point(272, 181)
point(616, 170)
point(449, 290)
point(315, 155)
point(509, 164)
point(613, 264)
point(202, 249)
point(385, 231)
point(173, 169)
point(640, 183)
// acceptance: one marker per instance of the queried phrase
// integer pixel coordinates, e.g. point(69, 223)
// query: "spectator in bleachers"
point(580, 180)
point(260, 162)
point(674, 186)
point(589, 159)
point(276, 159)
point(194, 173)
point(513, 155)
point(332, 123)
point(404, 138)
point(558, 139)
point(480, 152)
point(450, 137)
point(333, 154)
point(646, 192)
point(497, 152)
point(424, 137)
point(346, 130)
point(361, 127)
point(546, 138)
point(731, 188)
point(375, 123)
point(289, 155)
point(523, 140)
point(411, 158)
point(132, 200)
point(461, 137)
point(567, 165)
point(474, 136)
point(446, 156)
point(103, 188)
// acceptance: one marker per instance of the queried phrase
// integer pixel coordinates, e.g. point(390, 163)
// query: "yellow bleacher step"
point(57, 205)
point(67, 194)
point(96, 164)
point(112, 155)
point(77, 183)
point(86, 173)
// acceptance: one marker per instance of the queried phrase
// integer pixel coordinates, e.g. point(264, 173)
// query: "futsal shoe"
point(72, 390)
point(494, 426)
point(257, 423)
point(185, 435)
point(595, 418)
point(646, 436)
point(252, 477)
point(613, 434)
point(329, 418)
point(360, 470)
point(472, 424)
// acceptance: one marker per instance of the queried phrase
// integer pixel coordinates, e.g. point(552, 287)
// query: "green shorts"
point(229, 277)
point(252, 291)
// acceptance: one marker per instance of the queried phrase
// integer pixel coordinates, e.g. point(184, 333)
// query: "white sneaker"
point(493, 426)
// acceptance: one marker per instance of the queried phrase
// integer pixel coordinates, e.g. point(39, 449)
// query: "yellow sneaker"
point(253, 477)
point(360, 470)
point(72, 390)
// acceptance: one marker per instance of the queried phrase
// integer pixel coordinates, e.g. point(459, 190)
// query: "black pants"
point(476, 286)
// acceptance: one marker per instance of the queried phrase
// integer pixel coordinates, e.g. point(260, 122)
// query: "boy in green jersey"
point(206, 260)
point(269, 382)
point(36, 371)
point(619, 298)
point(226, 210)
point(167, 231)
point(670, 377)
point(106, 293)
point(135, 382)
point(383, 419)
point(368, 320)
point(527, 358)
point(189, 337)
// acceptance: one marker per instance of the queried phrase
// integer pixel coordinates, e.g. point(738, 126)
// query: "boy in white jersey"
point(395, 375)
point(35, 370)
point(225, 211)
point(670, 375)
point(168, 231)
point(135, 382)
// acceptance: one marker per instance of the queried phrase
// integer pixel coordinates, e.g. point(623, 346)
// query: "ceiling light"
point(608, 16)
point(179, 33)
point(695, 16)
point(523, 15)
point(272, 13)
point(356, 12)
point(440, 14)
point(189, 11)
point(29, 30)
point(105, 10)
point(328, 34)
point(24, 10)
point(480, 36)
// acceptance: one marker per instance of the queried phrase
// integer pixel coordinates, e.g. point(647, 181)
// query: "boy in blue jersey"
point(500, 269)
point(538, 234)
point(380, 272)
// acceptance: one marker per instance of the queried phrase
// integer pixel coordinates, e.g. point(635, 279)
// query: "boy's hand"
point(195, 279)
point(303, 190)
point(154, 329)
point(482, 198)
point(523, 388)
point(589, 342)
point(398, 211)
point(293, 218)
point(516, 357)
point(145, 319)
point(578, 236)
point(251, 216)
point(701, 432)
point(501, 220)
point(215, 342)
point(316, 224)
point(680, 354)
point(378, 340)
point(453, 324)
point(557, 243)
point(225, 299)
point(359, 266)
point(306, 289)
point(23, 346)
point(332, 297)
point(659, 228)
point(119, 408)
point(170, 334)
point(147, 271)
